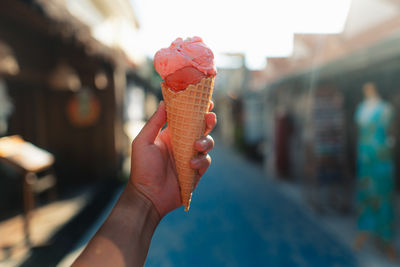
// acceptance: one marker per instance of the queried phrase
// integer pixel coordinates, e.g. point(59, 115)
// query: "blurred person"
point(283, 133)
point(375, 171)
point(151, 193)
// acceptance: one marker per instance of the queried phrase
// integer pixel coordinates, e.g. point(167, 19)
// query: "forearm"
point(124, 238)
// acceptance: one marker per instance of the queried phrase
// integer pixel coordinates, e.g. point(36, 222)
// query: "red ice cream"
point(185, 62)
point(181, 78)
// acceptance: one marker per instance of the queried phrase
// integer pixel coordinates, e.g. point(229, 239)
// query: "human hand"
point(153, 170)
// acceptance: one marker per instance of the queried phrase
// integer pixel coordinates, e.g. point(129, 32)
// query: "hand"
point(153, 170)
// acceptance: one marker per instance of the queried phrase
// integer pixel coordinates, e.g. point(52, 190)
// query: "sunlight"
point(255, 28)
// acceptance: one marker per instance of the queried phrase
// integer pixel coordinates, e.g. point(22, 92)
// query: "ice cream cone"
point(186, 123)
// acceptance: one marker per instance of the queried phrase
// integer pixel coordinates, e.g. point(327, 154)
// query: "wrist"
point(132, 196)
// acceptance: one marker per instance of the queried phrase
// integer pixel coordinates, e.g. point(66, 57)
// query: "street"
point(237, 218)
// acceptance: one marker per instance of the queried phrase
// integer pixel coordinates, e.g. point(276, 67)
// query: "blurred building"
point(64, 65)
point(366, 50)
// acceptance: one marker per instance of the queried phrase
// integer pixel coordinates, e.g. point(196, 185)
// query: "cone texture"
point(186, 123)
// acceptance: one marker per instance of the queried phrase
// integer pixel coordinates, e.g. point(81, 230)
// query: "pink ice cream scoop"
point(184, 62)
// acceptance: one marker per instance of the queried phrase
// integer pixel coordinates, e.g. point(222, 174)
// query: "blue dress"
point(375, 169)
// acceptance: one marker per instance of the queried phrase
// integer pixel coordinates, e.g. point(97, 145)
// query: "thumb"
point(152, 128)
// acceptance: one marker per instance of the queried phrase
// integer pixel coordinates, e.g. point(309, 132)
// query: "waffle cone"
point(186, 123)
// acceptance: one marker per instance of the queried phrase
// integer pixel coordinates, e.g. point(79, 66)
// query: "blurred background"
point(305, 168)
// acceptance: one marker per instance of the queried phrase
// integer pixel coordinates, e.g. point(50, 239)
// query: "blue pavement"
point(238, 218)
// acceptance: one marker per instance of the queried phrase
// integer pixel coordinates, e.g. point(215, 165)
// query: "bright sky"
point(257, 28)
